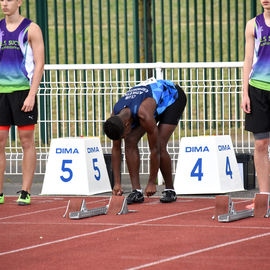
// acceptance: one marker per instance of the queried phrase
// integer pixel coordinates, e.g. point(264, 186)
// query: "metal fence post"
point(253, 8)
point(136, 32)
point(42, 21)
point(136, 39)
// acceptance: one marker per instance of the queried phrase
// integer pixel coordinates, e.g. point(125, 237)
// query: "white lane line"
point(101, 231)
point(144, 225)
point(143, 266)
point(45, 210)
point(32, 213)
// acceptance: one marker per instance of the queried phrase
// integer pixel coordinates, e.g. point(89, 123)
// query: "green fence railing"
point(133, 31)
point(128, 31)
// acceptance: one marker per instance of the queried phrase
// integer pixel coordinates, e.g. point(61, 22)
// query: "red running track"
point(180, 235)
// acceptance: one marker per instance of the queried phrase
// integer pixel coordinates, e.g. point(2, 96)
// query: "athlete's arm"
point(116, 166)
point(148, 122)
point(35, 40)
point(249, 52)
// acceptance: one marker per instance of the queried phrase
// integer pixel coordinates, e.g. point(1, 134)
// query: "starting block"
point(262, 205)
point(76, 208)
point(225, 212)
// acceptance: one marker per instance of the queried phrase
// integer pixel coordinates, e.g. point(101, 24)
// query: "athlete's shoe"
point(168, 196)
point(2, 198)
point(24, 198)
point(135, 197)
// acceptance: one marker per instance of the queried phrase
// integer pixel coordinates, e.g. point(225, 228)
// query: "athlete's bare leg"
point(29, 158)
point(3, 141)
point(262, 164)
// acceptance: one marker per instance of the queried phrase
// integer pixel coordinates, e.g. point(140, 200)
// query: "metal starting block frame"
point(76, 208)
point(225, 212)
point(262, 202)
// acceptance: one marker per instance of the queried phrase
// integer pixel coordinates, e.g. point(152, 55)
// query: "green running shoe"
point(2, 198)
point(24, 198)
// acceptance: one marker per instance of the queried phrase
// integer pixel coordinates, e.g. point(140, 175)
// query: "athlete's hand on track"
point(117, 190)
point(150, 190)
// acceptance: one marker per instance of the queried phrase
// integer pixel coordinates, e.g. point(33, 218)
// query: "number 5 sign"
point(76, 166)
point(207, 164)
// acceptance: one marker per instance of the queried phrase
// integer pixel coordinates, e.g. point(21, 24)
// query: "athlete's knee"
point(27, 141)
point(27, 144)
point(164, 155)
point(131, 149)
point(262, 145)
point(3, 139)
point(131, 142)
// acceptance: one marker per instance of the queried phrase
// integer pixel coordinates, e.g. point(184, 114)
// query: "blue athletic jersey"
point(162, 91)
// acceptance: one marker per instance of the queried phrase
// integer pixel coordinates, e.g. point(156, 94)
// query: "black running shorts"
point(258, 120)
point(172, 114)
point(10, 109)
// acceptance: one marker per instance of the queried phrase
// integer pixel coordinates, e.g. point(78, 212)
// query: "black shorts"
point(173, 113)
point(10, 109)
point(258, 120)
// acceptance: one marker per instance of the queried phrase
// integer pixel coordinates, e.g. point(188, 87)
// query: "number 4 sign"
point(76, 166)
point(207, 164)
point(197, 170)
